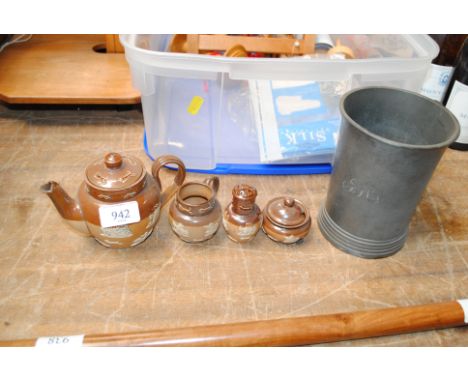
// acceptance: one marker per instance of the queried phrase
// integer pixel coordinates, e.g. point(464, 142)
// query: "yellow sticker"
point(195, 105)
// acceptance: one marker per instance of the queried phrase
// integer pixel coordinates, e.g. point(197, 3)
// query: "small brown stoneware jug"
point(118, 202)
point(242, 218)
point(286, 220)
point(195, 213)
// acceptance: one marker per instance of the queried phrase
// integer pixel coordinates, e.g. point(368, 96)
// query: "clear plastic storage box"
point(204, 108)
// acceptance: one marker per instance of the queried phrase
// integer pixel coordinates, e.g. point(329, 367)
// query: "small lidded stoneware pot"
point(286, 220)
point(242, 218)
point(195, 213)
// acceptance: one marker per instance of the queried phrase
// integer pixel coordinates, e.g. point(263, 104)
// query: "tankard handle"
point(178, 179)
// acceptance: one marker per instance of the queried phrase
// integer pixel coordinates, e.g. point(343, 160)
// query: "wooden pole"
point(291, 331)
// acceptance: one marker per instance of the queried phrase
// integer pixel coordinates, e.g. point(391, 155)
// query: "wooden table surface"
point(65, 69)
point(54, 282)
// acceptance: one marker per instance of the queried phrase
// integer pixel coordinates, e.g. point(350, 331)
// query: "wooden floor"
point(64, 69)
point(54, 282)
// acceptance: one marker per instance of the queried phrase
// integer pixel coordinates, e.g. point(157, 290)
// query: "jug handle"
point(178, 179)
point(213, 182)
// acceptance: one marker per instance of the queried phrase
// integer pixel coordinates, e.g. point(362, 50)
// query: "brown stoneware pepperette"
point(242, 218)
point(286, 220)
point(118, 202)
point(195, 213)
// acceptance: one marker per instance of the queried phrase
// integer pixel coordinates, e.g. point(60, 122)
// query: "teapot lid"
point(115, 173)
point(287, 212)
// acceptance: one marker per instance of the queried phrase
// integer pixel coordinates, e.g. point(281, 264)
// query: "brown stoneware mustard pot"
point(242, 218)
point(286, 220)
point(195, 213)
point(118, 202)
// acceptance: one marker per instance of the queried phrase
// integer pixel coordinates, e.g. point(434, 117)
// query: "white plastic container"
point(199, 107)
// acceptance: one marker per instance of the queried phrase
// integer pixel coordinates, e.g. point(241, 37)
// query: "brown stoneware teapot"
point(118, 202)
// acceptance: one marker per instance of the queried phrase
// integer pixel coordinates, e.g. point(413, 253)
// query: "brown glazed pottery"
point(195, 213)
point(242, 218)
point(118, 202)
point(286, 220)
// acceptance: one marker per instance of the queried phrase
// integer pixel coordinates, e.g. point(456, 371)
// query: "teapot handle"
point(213, 182)
point(178, 180)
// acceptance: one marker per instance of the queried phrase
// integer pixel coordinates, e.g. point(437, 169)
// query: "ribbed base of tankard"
point(354, 245)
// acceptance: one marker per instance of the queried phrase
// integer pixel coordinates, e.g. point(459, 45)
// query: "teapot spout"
point(67, 207)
